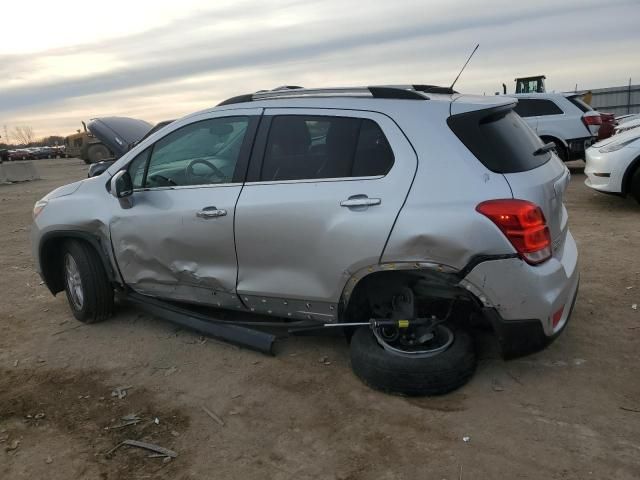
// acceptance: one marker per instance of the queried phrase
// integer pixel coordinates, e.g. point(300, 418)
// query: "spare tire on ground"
point(410, 375)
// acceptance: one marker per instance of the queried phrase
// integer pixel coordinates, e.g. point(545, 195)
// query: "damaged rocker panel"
point(288, 308)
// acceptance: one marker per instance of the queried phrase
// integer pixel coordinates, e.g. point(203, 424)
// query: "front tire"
point(89, 292)
point(413, 376)
point(635, 184)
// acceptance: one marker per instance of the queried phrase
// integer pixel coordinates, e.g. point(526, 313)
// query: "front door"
point(176, 240)
point(320, 206)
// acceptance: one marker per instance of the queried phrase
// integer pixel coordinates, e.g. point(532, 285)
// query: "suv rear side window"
point(301, 147)
point(528, 107)
point(500, 139)
point(584, 108)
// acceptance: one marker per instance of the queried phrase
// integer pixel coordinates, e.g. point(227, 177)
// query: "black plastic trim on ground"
point(241, 336)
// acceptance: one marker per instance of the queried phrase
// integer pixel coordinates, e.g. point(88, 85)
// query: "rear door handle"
point(360, 201)
point(211, 212)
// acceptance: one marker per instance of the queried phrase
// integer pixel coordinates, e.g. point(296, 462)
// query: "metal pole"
point(629, 97)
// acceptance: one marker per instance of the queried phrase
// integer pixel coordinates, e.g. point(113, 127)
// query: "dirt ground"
point(569, 412)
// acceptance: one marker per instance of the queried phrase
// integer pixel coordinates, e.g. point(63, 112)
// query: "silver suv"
point(406, 216)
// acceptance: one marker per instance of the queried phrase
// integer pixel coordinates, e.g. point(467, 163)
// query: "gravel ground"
point(569, 412)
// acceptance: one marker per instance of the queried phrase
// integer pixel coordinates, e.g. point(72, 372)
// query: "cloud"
point(204, 56)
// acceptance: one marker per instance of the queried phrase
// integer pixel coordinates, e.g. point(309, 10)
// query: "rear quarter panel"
point(439, 223)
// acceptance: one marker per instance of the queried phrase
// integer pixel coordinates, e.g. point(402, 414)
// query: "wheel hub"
point(74, 282)
point(421, 342)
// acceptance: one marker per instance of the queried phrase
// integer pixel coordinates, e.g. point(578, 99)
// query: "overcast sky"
point(64, 61)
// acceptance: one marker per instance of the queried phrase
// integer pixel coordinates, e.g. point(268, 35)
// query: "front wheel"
point(434, 369)
point(89, 292)
point(635, 184)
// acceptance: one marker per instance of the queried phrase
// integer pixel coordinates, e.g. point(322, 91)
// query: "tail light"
point(523, 224)
point(592, 120)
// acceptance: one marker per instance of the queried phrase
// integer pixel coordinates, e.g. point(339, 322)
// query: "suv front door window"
point(202, 153)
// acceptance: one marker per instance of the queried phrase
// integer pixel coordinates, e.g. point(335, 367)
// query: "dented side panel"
point(439, 222)
point(520, 291)
point(83, 207)
point(164, 249)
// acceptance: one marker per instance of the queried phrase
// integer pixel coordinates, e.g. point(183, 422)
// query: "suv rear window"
point(302, 147)
point(500, 139)
point(580, 104)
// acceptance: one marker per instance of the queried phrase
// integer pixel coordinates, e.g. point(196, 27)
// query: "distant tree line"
point(23, 136)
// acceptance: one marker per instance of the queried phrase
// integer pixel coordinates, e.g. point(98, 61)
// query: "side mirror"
point(121, 185)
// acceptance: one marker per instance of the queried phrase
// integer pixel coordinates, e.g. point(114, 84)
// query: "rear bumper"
point(577, 147)
point(520, 300)
point(523, 337)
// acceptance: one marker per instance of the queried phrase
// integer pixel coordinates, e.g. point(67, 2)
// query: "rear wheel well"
point(435, 293)
point(51, 249)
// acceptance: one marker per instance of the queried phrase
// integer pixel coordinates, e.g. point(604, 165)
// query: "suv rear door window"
point(528, 107)
point(301, 147)
point(500, 139)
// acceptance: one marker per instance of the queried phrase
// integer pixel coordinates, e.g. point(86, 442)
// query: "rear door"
point(322, 195)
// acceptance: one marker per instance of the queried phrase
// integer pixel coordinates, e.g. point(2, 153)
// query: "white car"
point(627, 125)
point(627, 118)
point(613, 165)
point(561, 118)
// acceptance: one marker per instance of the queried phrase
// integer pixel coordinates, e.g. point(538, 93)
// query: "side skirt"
point(238, 335)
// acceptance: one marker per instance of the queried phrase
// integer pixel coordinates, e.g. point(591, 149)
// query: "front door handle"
point(360, 201)
point(211, 212)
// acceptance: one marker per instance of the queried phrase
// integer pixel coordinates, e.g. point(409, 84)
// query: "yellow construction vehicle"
point(86, 146)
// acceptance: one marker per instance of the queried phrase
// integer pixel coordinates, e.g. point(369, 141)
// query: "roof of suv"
point(548, 95)
point(284, 96)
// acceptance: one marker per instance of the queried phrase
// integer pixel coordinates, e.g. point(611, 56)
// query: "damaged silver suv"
point(404, 215)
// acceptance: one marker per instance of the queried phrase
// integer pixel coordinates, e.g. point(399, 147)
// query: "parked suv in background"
point(410, 214)
point(563, 119)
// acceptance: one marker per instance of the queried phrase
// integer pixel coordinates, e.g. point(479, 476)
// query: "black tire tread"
point(561, 150)
point(98, 292)
point(397, 374)
point(635, 184)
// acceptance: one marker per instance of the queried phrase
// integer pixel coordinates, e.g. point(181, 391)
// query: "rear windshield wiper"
point(547, 147)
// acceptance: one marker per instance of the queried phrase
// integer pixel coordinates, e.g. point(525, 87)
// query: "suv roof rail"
point(402, 92)
point(434, 89)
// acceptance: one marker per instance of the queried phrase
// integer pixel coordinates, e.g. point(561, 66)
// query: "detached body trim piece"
point(235, 334)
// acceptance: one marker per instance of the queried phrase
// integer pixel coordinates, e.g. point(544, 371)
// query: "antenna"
point(464, 66)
